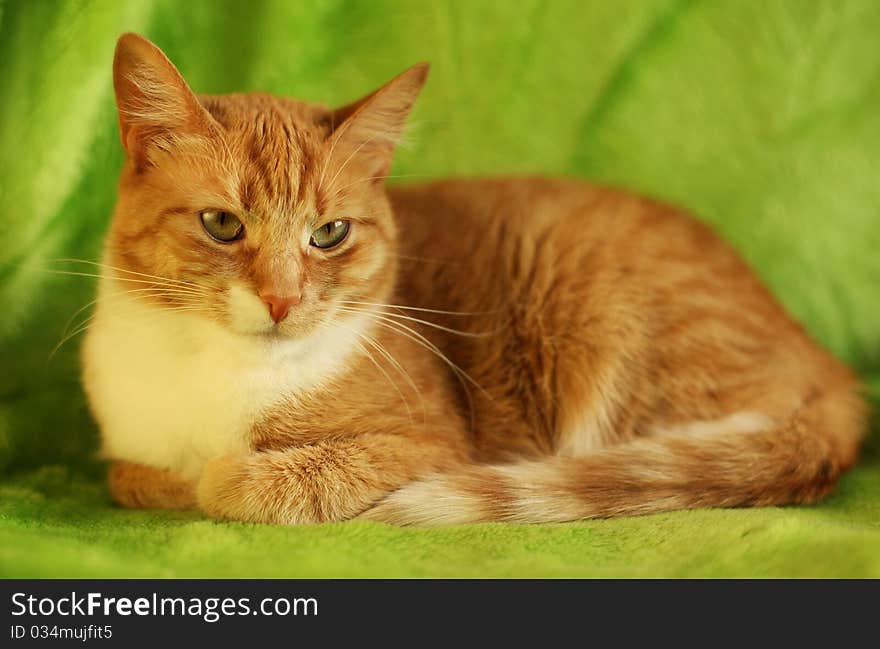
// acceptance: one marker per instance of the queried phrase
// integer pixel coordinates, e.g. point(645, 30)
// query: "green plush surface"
point(763, 117)
point(54, 523)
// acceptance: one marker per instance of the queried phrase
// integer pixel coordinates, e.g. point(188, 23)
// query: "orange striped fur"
point(524, 349)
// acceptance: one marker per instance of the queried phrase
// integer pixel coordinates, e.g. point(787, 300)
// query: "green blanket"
point(763, 117)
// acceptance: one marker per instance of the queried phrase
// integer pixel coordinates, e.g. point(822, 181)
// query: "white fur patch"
point(739, 422)
point(594, 431)
point(173, 389)
point(247, 311)
point(534, 499)
point(432, 501)
point(591, 433)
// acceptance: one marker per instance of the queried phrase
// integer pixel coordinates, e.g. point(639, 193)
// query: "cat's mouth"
point(273, 333)
point(280, 332)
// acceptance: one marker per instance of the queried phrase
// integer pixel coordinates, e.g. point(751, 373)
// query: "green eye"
point(330, 234)
point(222, 226)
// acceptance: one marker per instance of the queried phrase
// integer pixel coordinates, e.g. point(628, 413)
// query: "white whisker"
point(83, 326)
point(437, 326)
point(400, 369)
point(336, 137)
point(425, 259)
point(193, 290)
point(124, 270)
point(135, 293)
point(414, 308)
point(363, 180)
point(353, 154)
point(424, 341)
point(382, 369)
point(459, 373)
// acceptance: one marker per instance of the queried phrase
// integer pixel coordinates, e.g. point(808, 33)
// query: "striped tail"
point(796, 463)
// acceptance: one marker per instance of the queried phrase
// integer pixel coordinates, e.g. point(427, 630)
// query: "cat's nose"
point(279, 305)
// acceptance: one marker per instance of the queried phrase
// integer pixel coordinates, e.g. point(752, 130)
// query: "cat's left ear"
point(372, 126)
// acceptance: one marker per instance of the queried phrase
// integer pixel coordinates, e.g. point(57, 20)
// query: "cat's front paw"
point(248, 488)
point(222, 488)
point(139, 486)
point(292, 487)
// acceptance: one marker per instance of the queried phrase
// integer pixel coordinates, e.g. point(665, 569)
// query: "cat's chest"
point(173, 395)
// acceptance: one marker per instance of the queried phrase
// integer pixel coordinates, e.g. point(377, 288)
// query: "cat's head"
point(266, 215)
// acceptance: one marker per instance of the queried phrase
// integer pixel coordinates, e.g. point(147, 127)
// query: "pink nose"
point(279, 306)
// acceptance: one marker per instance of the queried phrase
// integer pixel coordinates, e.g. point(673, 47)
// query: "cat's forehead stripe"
point(273, 154)
point(275, 145)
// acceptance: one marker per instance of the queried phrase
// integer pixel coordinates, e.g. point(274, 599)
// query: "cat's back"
point(556, 231)
point(532, 202)
point(562, 279)
point(546, 247)
point(456, 217)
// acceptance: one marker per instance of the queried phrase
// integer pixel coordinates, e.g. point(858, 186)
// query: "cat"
point(281, 338)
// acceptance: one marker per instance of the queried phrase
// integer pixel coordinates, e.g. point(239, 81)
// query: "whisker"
point(425, 342)
point(394, 383)
point(428, 260)
point(124, 270)
point(390, 357)
point(363, 180)
point(456, 332)
point(382, 369)
point(437, 326)
point(336, 137)
point(78, 311)
point(415, 308)
point(349, 158)
point(459, 373)
point(194, 290)
point(135, 293)
point(190, 307)
point(83, 326)
point(159, 291)
point(88, 322)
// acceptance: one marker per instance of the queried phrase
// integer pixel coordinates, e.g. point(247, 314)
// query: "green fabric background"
point(763, 117)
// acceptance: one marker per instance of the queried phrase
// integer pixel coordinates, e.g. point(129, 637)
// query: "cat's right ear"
point(156, 106)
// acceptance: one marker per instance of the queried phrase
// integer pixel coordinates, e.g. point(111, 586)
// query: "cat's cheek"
point(247, 313)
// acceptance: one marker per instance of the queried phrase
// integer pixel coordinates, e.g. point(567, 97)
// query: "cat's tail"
point(798, 462)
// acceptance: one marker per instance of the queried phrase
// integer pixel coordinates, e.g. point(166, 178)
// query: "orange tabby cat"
point(281, 338)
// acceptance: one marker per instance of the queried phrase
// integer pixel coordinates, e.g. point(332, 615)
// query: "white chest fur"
point(173, 389)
